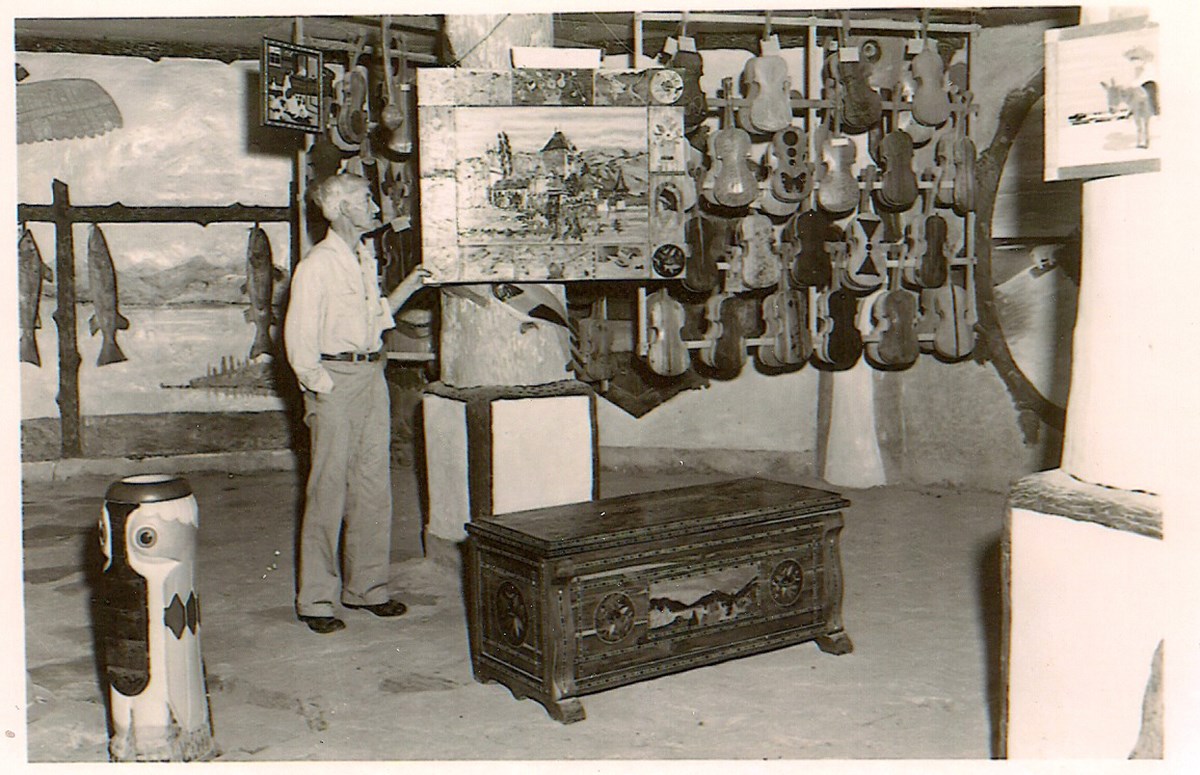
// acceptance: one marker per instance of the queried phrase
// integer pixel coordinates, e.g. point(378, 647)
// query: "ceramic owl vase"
point(150, 622)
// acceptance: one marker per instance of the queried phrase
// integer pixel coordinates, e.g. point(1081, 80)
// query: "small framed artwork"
point(1102, 100)
point(292, 86)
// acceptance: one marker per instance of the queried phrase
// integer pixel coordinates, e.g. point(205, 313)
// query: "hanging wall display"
point(292, 94)
point(1102, 103)
point(552, 175)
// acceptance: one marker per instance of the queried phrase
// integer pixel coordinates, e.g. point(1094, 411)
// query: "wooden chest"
point(570, 600)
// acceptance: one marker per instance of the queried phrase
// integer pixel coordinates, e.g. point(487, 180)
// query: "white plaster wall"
point(541, 452)
point(1089, 606)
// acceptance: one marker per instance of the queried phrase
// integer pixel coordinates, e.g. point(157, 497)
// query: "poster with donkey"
point(1102, 100)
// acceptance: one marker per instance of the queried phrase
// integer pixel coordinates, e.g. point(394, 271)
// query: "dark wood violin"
point(865, 265)
point(931, 103)
point(731, 180)
point(785, 313)
point(838, 344)
point(760, 259)
point(767, 87)
point(592, 351)
point(964, 161)
point(893, 326)
point(862, 106)
point(710, 240)
point(666, 352)
point(927, 265)
point(686, 59)
point(805, 237)
point(898, 191)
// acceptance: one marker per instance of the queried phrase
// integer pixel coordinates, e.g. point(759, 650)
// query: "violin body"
point(899, 189)
point(786, 315)
point(920, 134)
point(760, 260)
point(767, 88)
point(893, 319)
point(730, 181)
point(709, 240)
point(838, 190)
point(804, 238)
point(931, 103)
point(726, 353)
point(964, 163)
point(667, 353)
point(866, 261)
point(862, 106)
point(594, 361)
point(792, 178)
point(693, 100)
point(839, 343)
point(954, 333)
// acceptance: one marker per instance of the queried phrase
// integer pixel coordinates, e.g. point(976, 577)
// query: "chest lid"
point(648, 516)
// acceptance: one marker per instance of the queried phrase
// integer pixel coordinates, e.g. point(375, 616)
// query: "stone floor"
point(921, 605)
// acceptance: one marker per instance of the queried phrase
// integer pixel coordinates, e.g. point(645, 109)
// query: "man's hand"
point(407, 287)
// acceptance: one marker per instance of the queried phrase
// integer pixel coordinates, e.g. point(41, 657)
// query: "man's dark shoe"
point(323, 624)
point(390, 608)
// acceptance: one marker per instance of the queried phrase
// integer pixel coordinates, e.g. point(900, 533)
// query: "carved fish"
point(102, 279)
point(261, 274)
point(33, 272)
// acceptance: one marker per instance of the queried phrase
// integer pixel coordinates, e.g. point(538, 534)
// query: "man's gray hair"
point(335, 189)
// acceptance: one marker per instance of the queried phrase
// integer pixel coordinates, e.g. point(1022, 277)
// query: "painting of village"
point(563, 179)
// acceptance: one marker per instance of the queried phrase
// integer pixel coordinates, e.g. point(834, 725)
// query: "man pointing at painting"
point(333, 337)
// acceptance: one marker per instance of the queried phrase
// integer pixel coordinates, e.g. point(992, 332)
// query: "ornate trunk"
point(569, 600)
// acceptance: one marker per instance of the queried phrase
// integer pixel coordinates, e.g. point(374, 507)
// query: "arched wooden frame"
point(1033, 407)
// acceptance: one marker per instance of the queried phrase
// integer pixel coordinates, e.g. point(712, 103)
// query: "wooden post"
point(64, 319)
point(481, 343)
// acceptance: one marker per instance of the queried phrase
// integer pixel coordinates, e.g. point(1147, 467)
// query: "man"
point(333, 338)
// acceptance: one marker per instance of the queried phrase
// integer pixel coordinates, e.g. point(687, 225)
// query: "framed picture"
point(552, 175)
point(1102, 104)
point(292, 86)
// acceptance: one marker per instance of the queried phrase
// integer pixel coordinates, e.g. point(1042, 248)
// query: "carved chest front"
point(569, 600)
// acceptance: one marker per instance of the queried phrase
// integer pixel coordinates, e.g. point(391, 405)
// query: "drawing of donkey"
point(1142, 102)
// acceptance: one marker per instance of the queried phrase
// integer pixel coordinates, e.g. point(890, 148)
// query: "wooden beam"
point(120, 213)
point(64, 319)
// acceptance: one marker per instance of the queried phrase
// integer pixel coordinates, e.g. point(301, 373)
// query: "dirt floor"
point(921, 606)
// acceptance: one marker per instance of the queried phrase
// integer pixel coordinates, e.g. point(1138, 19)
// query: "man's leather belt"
point(352, 357)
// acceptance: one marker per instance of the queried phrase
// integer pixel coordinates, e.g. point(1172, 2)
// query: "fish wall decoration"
point(102, 278)
point(32, 273)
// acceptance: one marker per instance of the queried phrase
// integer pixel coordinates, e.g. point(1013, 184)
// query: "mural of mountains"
point(195, 281)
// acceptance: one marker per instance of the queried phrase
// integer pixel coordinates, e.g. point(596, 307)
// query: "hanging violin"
point(865, 262)
point(862, 106)
point(898, 191)
point(760, 260)
point(804, 238)
point(786, 315)
point(666, 352)
point(730, 180)
point(931, 103)
point(837, 190)
point(767, 88)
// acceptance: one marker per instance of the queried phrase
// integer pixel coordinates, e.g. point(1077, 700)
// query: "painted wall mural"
point(201, 303)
